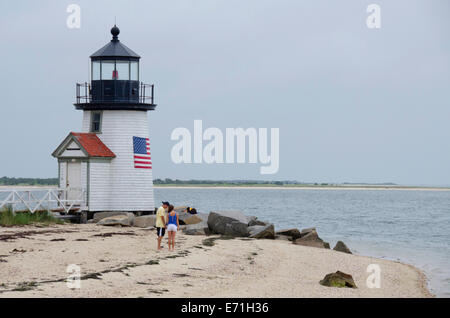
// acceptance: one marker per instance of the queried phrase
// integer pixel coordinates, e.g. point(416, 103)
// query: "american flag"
point(142, 158)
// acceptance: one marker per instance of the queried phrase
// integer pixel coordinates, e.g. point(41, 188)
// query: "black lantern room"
point(115, 83)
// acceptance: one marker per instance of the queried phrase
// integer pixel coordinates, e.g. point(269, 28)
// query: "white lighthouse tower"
point(109, 161)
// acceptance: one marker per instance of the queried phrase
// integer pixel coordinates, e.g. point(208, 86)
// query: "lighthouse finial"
point(115, 31)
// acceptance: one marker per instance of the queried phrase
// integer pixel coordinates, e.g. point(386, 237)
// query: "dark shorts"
point(160, 231)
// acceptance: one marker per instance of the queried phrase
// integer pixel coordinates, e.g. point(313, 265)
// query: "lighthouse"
point(108, 163)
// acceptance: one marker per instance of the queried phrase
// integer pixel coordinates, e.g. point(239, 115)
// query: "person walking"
point(173, 225)
point(161, 220)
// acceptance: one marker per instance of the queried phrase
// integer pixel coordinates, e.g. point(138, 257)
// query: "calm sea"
point(409, 226)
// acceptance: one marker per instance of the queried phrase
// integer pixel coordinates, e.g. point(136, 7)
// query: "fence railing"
point(32, 200)
point(86, 94)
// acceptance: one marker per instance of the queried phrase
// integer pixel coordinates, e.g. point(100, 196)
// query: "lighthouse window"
point(96, 122)
point(123, 70)
point(134, 71)
point(108, 70)
point(96, 71)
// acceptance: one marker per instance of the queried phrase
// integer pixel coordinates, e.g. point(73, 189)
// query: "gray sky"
point(352, 104)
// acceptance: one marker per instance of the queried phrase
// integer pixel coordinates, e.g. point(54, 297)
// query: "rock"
point(203, 216)
point(262, 232)
point(307, 231)
point(182, 216)
point(187, 218)
point(118, 220)
point(180, 209)
point(197, 229)
point(338, 279)
point(145, 221)
point(101, 215)
point(83, 217)
point(253, 220)
point(293, 233)
point(341, 247)
point(311, 239)
point(193, 219)
point(230, 223)
point(310, 236)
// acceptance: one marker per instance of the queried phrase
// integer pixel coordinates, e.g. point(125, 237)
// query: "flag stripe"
point(142, 157)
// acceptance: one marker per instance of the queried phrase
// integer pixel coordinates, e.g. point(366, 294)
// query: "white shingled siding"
point(86, 121)
point(116, 185)
point(99, 193)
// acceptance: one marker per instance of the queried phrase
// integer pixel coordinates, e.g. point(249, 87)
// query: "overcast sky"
point(353, 104)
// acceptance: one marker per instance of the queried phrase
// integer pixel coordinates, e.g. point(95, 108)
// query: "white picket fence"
point(36, 199)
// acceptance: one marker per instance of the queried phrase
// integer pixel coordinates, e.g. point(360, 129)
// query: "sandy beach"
point(123, 262)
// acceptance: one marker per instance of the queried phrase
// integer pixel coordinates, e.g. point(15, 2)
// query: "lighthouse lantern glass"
point(134, 71)
point(96, 69)
point(108, 70)
point(123, 70)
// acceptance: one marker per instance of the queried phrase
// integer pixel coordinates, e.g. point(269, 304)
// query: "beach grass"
point(8, 218)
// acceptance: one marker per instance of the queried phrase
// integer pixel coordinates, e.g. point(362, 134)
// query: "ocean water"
point(410, 226)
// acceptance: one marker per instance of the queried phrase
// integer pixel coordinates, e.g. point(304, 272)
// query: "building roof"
point(93, 145)
point(115, 49)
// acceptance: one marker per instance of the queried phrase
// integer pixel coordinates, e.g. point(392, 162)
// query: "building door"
point(73, 181)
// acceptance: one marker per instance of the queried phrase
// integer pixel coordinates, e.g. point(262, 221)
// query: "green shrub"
point(8, 218)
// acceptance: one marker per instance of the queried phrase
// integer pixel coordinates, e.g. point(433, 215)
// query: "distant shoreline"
point(263, 186)
point(271, 187)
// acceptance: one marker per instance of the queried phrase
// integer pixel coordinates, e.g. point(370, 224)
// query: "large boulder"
point(262, 232)
point(145, 221)
point(230, 223)
point(197, 229)
point(118, 220)
point(180, 209)
point(187, 218)
point(338, 279)
point(341, 247)
point(293, 233)
point(311, 239)
point(101, 215)
point(193, 219)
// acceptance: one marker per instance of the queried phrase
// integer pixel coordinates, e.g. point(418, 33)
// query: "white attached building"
point(110, 160)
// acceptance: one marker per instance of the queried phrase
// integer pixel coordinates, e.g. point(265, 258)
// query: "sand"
point(124, 262)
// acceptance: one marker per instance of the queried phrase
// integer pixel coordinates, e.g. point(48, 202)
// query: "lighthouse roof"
point(115, 49)
point(93, 145)
point(89, 145)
